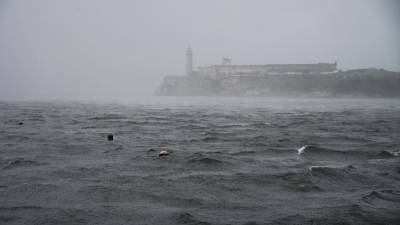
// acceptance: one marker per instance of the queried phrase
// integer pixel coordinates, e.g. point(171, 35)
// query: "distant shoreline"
point(360, 83)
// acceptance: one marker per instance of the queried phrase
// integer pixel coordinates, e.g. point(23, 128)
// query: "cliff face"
point(357, 83)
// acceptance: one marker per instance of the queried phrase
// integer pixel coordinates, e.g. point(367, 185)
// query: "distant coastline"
point(352, 83)
point(280, 80)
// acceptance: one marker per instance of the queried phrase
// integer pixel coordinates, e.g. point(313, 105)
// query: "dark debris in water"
point(110, 137)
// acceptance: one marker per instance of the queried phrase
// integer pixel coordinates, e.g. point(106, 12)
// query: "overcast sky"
point(79, 49)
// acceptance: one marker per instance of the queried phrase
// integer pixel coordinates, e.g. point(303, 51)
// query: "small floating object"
point(110, 137)
point(302, 149)
point(20, 123)
point(163, 153)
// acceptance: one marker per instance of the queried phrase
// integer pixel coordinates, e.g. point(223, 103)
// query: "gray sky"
point(120, 49)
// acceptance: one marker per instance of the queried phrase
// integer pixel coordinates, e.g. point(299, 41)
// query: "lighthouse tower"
point(189, 61)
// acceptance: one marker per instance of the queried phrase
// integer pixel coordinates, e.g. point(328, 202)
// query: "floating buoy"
point(20, 123)
point(110, 137)
point(163, 153)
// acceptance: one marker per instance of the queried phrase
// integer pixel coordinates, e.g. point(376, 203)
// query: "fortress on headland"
point(315, 80)
point(226, 68)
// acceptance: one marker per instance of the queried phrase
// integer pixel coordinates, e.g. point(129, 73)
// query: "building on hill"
point(226, 68)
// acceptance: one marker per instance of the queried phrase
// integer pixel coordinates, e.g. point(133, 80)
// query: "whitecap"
point(302, 149)
point(311, 168)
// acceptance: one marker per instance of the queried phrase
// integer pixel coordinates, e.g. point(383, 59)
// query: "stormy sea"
point(243, 161)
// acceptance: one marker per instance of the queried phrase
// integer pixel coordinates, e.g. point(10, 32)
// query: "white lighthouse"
point(189, 61)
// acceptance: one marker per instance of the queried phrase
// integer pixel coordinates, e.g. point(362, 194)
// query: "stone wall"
point(354, 83)
point(268, 69)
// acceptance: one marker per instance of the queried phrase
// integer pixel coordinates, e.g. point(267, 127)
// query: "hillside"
point(352, 83)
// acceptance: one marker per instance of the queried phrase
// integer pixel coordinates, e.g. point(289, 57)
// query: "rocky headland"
point(352, 83)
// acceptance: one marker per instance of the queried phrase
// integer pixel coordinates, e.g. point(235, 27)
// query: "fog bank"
point(122, 49)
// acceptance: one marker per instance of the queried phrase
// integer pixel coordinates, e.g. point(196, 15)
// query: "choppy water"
point(232, 161)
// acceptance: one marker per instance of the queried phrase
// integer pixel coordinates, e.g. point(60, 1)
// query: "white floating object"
point(302, 149)
point(163, 153)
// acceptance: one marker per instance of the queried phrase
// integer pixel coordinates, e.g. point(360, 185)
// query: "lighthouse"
point(189, 61)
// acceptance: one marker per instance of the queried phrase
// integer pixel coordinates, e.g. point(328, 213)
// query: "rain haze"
point(122, 49)
point(208, 112)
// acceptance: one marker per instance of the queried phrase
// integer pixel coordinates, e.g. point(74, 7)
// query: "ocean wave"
point(200, 159)
point(16, 138)
point(309, 150)
point(313, 150)
point(329, 171)
point(187, 218)
point(388, 154)
point(206, 161)
point(334, 178)
point(210, 138)
point(116, 149)
point(244, 152)
point(20, 162)
point(108, 117)
point(17, 208)
point(382, 195)
point(259, 140)
point(192, 127)
point(336, 215)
